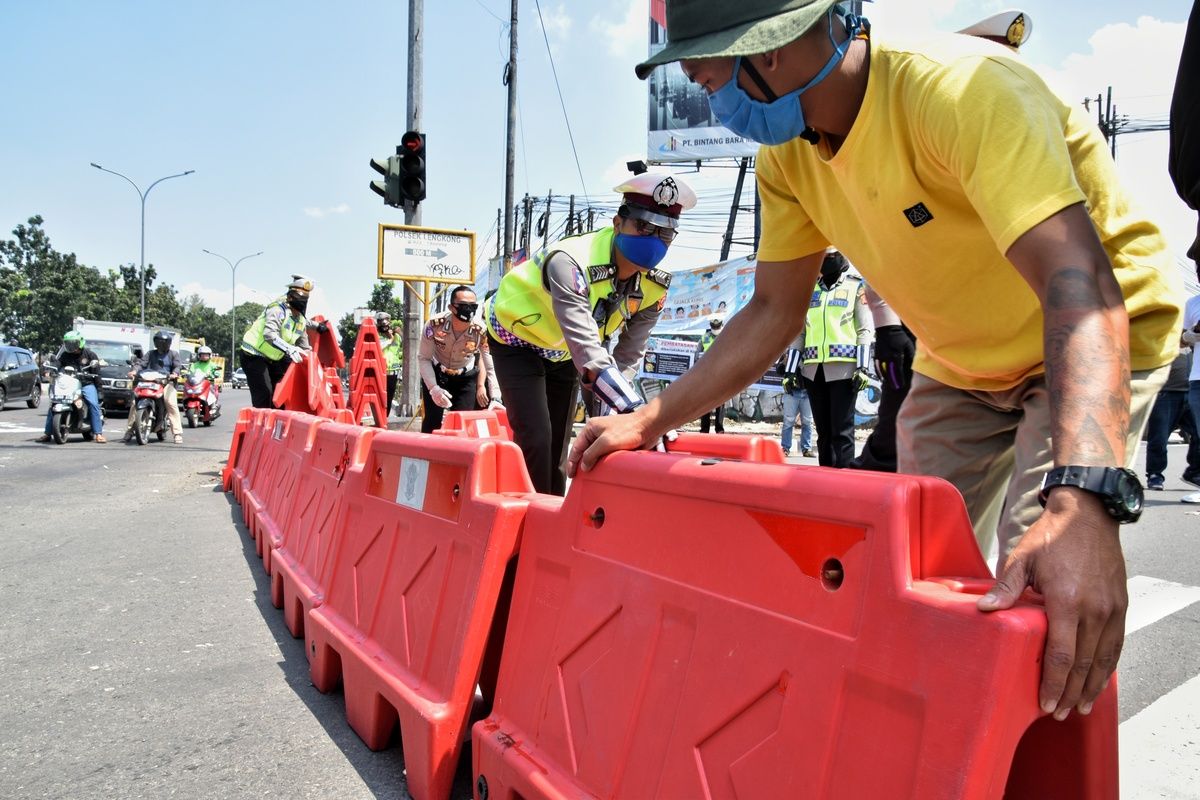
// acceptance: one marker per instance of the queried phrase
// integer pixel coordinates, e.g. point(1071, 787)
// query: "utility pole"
point(546, 227)
point(571, 217)
point(409, 375)
point(510, 78)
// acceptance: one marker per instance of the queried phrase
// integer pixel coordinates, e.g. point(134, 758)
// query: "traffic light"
point(389, 187)
point(412, 166)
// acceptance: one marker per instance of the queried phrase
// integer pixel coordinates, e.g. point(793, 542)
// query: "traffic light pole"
point(409, 375)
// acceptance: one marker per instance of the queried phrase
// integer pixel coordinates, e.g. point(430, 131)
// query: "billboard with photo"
point(682, 126)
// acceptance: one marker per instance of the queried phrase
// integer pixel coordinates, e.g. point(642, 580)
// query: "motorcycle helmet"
point(204, 353)
point(73, 341)
point(162, 341)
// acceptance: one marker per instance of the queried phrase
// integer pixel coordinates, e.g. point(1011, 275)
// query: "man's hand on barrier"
point(296, 355)
point(481, 396)
point(603, 435)
point(1072, 556)
point(495, 405)
point(441, 397)
point(322, 327)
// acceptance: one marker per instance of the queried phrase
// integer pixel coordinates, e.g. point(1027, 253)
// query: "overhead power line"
point(553, 71)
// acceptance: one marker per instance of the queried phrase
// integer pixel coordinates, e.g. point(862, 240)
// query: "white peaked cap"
point(1013, 25)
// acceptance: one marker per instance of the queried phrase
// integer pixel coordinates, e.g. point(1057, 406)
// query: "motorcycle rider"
point(74, 353)
point(204, 365)
point(276, 339)
point(161, 359)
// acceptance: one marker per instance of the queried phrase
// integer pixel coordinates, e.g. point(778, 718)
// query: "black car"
point(19, 377)
point(116, 389)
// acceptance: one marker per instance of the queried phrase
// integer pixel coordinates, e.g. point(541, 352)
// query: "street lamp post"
point(142, 195)
point(233, 265)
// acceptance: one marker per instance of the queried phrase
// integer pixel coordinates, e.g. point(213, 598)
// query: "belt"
point(453, 372)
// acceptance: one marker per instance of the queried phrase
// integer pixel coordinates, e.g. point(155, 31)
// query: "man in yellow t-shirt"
point(986, 212)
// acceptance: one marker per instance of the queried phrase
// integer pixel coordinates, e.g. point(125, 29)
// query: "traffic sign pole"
point(409, 394)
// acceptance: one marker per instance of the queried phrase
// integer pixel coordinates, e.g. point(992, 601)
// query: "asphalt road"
point(141, 656)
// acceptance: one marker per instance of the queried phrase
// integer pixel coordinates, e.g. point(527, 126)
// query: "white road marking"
point(1151, 599)
point(1160, 747)
point(13, 427)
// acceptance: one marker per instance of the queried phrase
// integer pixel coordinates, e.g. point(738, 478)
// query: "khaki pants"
point(171, 399)
point(995, 447)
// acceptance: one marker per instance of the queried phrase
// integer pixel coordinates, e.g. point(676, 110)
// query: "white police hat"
point(1012, 27)
point(656, 197)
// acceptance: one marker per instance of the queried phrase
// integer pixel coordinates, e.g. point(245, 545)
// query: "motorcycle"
point(70, 413)
point(150, 408)
point(201, 400)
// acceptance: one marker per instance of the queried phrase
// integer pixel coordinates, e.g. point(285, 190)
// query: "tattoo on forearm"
point(1087, 369)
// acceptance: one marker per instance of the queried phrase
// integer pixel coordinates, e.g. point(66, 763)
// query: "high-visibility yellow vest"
point(392, 353)
point(289, 331)
point(829, 332)
point(522, 314)
point(706, 341)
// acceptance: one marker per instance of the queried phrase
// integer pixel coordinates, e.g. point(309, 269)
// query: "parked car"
point(238, 379)
point(19, 377)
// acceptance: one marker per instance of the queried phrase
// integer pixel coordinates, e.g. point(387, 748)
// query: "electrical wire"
point(554, 71)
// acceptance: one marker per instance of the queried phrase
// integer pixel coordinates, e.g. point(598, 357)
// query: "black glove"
point(322, 327)
point(790, 384)
point(895, 348)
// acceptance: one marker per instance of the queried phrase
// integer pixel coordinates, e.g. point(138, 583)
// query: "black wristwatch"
point(1118, 488)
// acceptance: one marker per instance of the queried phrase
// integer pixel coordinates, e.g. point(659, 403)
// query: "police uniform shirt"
point(842, 370)
point(440, 345)
point(567, 283)
point(276, 314)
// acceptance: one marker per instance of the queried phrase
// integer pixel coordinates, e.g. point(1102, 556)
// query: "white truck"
point(116, 343)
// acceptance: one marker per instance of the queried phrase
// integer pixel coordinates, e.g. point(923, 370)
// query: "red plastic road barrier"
point(333, 387)
point(367, 344)
point(301, 562)
point(252, 447)
point(683, 628)
point(279, 507)
point(325, 345)
point(420, 562)
point(738, 447)
point(235, 445)
point(368, 377)
point(263, 477)
point(486, 424)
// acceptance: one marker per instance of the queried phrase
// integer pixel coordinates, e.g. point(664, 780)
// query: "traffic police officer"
point(715, 324)
point(553, 317)
point(392, 347)
point(278, 337)
point(456, 368)
point(837, 338)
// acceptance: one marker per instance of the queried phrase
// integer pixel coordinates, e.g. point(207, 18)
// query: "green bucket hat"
point(718, 28)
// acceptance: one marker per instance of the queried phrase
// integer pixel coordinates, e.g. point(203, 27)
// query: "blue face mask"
point(781, 119)
point(644, 251)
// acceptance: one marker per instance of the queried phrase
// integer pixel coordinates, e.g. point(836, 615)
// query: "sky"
point(278, 107)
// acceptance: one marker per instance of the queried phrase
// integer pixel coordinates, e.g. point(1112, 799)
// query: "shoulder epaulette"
point(661, 277)
point(601, 272)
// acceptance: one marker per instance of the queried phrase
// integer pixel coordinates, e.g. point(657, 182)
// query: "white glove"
point(667, 439)
point(441, 397)
point(494, 404)
point(296, 355)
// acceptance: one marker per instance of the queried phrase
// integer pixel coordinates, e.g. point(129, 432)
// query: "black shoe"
point(1155, 482)
point(1192, 477)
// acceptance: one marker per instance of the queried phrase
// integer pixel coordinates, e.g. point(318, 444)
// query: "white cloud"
point(557, 21)
point(219, 298)
point(627, 38)
point(1140, 62)
point(318, 213)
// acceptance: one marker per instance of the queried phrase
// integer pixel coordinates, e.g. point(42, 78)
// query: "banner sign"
point(698, 294)
point(682, 127)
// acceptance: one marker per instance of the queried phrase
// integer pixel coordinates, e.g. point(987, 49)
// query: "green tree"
point(43, 290)
point(246, 315)
point(381, 299)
